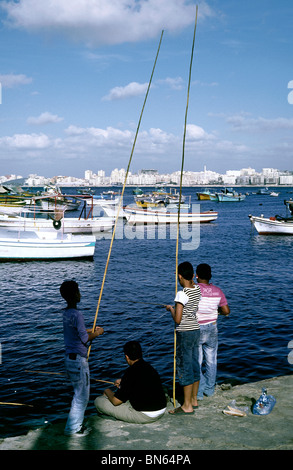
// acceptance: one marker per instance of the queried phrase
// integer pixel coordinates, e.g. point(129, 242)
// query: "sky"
point(74, 76)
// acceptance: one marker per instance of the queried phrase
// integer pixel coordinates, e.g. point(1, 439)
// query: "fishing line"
point(61, 373)
point(180, 193)
point(144, 303)
point(126, 175)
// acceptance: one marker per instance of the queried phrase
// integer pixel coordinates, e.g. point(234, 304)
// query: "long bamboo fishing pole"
point(14, 404)
point(180, 193)
point(126, 175)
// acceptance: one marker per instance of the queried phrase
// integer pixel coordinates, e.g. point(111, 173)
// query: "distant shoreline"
point(167, 185)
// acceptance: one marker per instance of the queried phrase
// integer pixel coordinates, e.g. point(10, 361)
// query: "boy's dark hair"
point(68, 289)
point(186, 270)
point(133, 350)
point(204, 271)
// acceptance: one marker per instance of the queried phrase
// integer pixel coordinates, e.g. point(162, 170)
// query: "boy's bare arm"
point(224, 310)
point(111, 396)
point(98, 331)
point(176, 312)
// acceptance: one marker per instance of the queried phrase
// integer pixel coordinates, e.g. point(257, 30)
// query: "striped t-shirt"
point(212, 297)
point(189, 298)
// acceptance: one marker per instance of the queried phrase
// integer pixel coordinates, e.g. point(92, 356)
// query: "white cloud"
point(102, 21)
point(13, 80)
point(94, 136)
point(242, 123)
point(174, 83)
point(194, 132)
point(44, 118)
point(25, 141)
point(130, 90)
point(205, 84)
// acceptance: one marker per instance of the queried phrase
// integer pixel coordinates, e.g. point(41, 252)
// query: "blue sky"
point(74, 74)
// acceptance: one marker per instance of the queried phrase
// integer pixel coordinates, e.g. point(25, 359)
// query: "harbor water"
point(254, 271)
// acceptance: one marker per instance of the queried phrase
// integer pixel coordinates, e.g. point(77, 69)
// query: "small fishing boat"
point(274, 194)
point(85, 191)
point(159, 198)
point(205, 195)
point(34, 245)
point(92, 225)
point(34, 218)
point(61, 203)
point(166, 216)
point(10, 198)
point(149, 202)
point(229, 195)
point(171, 197)
point(52, 198)
point(264, 192)
point(273, 225)
point(137, 192)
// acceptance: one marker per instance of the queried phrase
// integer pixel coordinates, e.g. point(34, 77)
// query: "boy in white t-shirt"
point(187, 338)
point(212, 302)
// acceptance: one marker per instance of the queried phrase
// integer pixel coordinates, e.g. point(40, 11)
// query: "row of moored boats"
point(39, 226)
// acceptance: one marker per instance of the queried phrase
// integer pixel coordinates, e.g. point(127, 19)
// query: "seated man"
point(140, 397)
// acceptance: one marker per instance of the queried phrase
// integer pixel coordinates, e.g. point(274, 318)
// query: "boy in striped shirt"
point(187, 338)
point(212, 302)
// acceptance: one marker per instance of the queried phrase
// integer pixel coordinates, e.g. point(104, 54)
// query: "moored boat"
point(149, 202)
point(264, 192)
point(164, 216)
point(92, 225)
point(35, 218)
point(273, 225)
point(229, 195)
point(205, 195)
point(33, 245)
point(159, 197)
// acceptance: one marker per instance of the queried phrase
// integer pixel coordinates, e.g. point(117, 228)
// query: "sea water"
point(254, 271)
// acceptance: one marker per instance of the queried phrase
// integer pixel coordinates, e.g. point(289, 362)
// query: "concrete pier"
point(208, 429)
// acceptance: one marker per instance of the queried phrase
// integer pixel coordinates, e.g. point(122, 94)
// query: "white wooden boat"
point(165, 216)
point(273, 225)
point(92, 225)
point(32, 245)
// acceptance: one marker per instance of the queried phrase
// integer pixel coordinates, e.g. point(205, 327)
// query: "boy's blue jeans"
point(187, 363)
point(77, 370)
point(208, 348)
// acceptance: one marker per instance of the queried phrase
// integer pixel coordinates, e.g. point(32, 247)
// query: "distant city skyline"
point(147, 177)
point(73, 78)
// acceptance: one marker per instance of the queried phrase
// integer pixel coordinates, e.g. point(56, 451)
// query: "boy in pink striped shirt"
point(212, 302)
